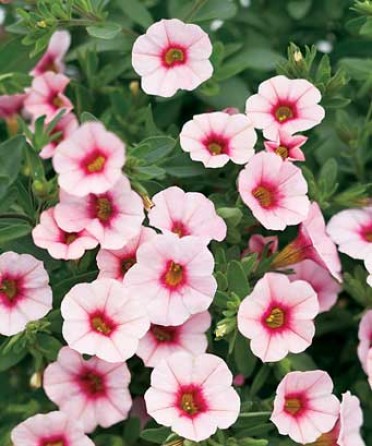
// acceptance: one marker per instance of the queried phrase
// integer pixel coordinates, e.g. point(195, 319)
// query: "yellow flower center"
point(283, 113)
point(70, 237)
point(9, 288)
point(215, 148)
point(55, 443)
point(293, 405)
point(58, 102)
point(100, 325)
point(97, 164)
point(264, 196)
point(276, 318)
point(103, 209)
point(93, 382)
point(188, 404)
point(174, 56)
point(127, 264)
point(174, 275)
point(162, 334)
point(282, 151)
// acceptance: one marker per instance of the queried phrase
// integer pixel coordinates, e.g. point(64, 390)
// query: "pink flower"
point(325, 286)
point(160, 341)
point(139, 411)
point(97, 390)
point(365, 339)
point(368, 265)
point(312, 243)
point(51, 429)
point(172, 56)
point(115, 263)
point(102, 318)
point(278, 317)
point(113, 218)
point(45, 96)
point(193, 395)
point(257, 243)
point(287, 146)
point(304, 407)
point(52, 59)
point(89, 161)
point(24, 292)
point(239, 380)
point(11, 105)
point(186, 213)
point(215, 138)
point(173, 278)
point(285, 104)
point(61, 244)
point(274, 190)
point(369, 366)
point(351, 230)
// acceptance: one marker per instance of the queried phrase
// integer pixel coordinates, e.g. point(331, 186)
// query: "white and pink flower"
point(365, 339)
point(25, 294)
point(278, 317)
point(285, 104)
point(274, 190)
point(161, 341)
point(193, 395)
point(59, 243)
point(11, 105)
point(97, 393)
point(50, 429)
point(186, 213)
point(287, 146)
point(113, 218)
point(173, 278)
point(217, 137)
point(102, 318)
point(172, 56)
point(257, 243)
point(89, 161)
point(304, 407)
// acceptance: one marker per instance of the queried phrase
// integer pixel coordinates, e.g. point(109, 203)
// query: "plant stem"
point(17, 217)
point(195, 8)
point(254, 414)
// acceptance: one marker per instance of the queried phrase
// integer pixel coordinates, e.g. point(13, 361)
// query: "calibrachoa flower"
point(113, 218)
point(274, 190)
point(186, 213)
point(24, 292)
point(45, 96)
point(102, 318)
point(11, 105)
point(312, 243)
point(325, 286)
point(193, 395)
point(285, 104)
point(172, 56)
point(215, 138)
point(304, 407)
point(51, 429)
point(173, 278)
point(52, 59)
point(97, 390)
point(365, 339)
point(89, 161)
point(351, 230)
point(278, 317)
point(287, 146)
point(160, 341)
point(257, 243)
point(115, 263)
point(61, 244)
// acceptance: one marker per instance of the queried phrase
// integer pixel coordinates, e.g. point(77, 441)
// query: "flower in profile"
point(161, 341)
point(172, 56)
point(101, 318)
point(25, 294)
point(278, 317)
point(89, 161)
point(312, 242)
point(257, 243)
point(11, 105)
point(52, 59)
point(304, 407)
point(113, 218)
point(173, 278)
point(193, 395)
point(351, 230)
point(61, 244)
point(115, 263)
point(274, 190)
point(365, 339)
point(97, 390)
point(50, 429)
point(285, 104)
point(287, 146)
point(217, 137)
point(46, 96)
point(325, 286)
point(186, 213)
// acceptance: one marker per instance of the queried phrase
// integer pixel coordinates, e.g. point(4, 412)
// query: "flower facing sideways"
point(365, 339)
point(287, 146)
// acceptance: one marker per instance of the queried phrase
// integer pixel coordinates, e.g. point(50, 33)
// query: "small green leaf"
point(11, 154)
point(9, 357)
point(244, 358)
point(238, 282)
point(154, 148)
point(88, 117)
point(157, 435)
point(107, 30)
point(136, 11)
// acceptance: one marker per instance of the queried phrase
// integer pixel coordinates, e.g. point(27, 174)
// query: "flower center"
point(282, 151)
point(57, 442)
point(9, 288)
point(50, 66)
point(174, 275)
point(188, 403)
point(293, 405)
point(104, 208)
point(97, 164)
point(276, 318)
point(163, 334)
point(127, 264)
point(215, 148)
point(283, 113)
point(92, 383)
point(264, 196)
point(328, 439)
point(174, 56)
point(367, 233)
point(179, 229)
point(57, 102)
point(70, 237)
point(101, 325)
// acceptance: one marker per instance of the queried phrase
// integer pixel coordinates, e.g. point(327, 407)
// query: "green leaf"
point(107, 30)
point(11, 154)
point(298, 9)
point(154, 148)
point(136, 11)
point(9, 357)
point(49, 346)
point(238, 282)
point(13, 231)
point(232, 216)
point(244, 358)
point(88, 117)
point(366, 29)
point(216, 9)
point(157, 435)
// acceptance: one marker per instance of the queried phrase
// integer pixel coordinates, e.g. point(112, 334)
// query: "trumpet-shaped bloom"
point(278, 317)
point(257, 243)
point(274, 190)
point(285, 104)
point(365, 339)
point(25, 294)
point(193, 395)
point(186, 213)
point(172, 56)
point(215, 138)
point(11, 105)
point(304, 407)
point(97, 390)
point(89, 161)
point(65, 126)
point(287, 146)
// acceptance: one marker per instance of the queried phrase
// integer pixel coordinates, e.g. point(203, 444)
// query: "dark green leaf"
point(136, 11)
point(105, 31)
point(11, 154)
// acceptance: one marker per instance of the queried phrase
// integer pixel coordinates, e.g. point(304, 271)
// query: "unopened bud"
point(134, 87)
point(41, 24)
point(297, 56)
point(221, 330)
point(36, 380)
point(147, 202)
